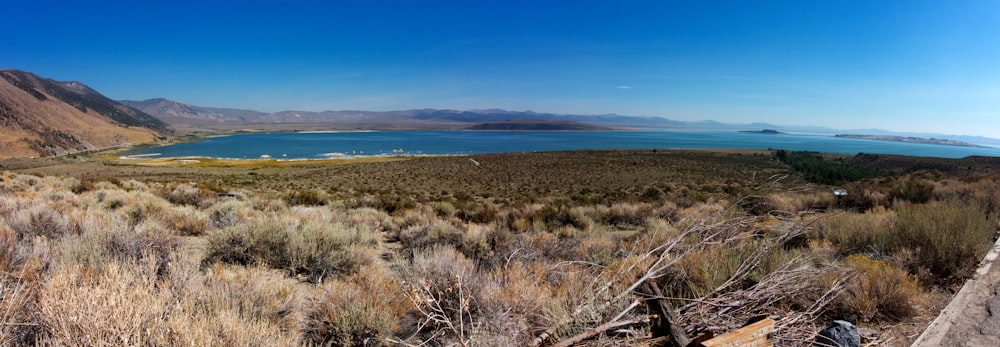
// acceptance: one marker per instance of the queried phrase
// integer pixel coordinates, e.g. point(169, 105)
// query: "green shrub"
point(818, 169)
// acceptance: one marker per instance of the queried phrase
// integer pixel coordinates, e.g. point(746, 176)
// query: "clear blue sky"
point(912, 65)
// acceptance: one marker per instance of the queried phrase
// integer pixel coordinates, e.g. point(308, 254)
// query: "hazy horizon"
point(917, 66)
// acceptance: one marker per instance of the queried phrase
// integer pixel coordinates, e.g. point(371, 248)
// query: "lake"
point(320, 145)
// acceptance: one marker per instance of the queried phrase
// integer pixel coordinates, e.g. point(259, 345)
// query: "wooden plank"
point(754, 335)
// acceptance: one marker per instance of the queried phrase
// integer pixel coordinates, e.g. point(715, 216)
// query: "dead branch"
point(667, 324)
point(590, 333)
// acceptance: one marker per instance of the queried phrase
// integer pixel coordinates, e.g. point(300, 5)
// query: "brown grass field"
point(531, 249)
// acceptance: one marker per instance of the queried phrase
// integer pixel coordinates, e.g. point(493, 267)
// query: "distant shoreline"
point(911, 139)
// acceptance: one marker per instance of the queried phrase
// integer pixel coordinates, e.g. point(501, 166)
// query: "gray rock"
point(840, 334)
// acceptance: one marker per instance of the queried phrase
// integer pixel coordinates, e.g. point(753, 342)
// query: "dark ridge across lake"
point(322, 145)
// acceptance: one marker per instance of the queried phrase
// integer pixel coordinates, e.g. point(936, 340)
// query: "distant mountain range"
point(43, 117)
point(197, 118)
point(194, 118)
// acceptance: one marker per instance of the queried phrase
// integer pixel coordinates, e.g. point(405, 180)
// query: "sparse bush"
point(144, 240)
point(497, 259)
point(950, 238)
point(868, 233)
point(414, 218)
point(255, 293)
point(482, 213)
point(624, 214)
point(443, 208)
point(865, 195)
point(315, 248)
point(14, 298)
point(513, 297)
point(229, 245)
point(345, 313)
point(912, 189)
point(316, 197)
point(878, 292)
point(119, 306)
point(597, 249)
point(439, 232)
point(187, 194)
point(266, 205)
point(226, 214)
point(19, 272)
point(442, 284)
point(38, 220)
point(319, 250)
point(801, 201)
point(984, 191)
point(231, 306)
point(186, 220)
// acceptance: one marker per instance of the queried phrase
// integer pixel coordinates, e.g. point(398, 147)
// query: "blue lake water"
point(319, 145)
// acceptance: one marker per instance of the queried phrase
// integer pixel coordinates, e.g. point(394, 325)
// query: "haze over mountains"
point(44, 117)
point(190, 117)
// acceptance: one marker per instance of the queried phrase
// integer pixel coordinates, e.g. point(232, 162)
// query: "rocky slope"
point(43, 117)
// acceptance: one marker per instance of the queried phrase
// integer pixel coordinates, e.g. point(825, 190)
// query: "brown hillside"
point(42, 117)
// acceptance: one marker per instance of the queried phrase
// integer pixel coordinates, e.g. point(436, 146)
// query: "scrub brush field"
point(586, 247)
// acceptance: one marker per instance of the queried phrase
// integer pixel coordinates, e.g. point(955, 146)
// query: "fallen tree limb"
point(590, 333)
point(667, 324)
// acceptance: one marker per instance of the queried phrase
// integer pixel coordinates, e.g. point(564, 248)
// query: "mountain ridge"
point(44, 117)
point(448, 119)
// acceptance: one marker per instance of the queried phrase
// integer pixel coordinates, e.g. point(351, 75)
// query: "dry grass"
point(461, 262)
point(118, 306)
point(949, 238)
point(942, 241)
point(878, 292)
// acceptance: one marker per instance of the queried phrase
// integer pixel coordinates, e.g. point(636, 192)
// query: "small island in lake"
point(910, 139)
point(537, 125)
point(765, 131)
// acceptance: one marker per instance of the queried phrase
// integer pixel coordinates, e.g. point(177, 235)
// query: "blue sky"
point(929, 66)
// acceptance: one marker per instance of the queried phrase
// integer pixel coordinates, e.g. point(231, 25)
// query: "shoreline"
point(911, 139)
